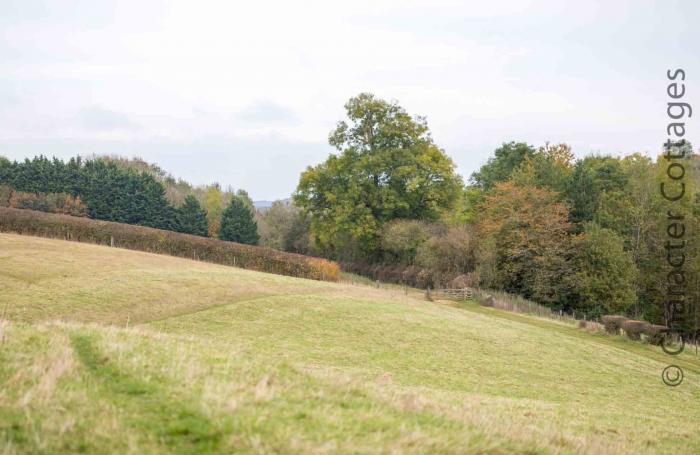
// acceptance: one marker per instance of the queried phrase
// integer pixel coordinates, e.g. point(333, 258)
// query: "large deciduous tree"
point(507, 158)
point(605, 272)
point(214, 203)
point(388, 168)
point(593, 177)
point(525, 247)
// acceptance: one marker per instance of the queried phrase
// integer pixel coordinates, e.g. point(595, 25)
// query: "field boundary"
point(152, 240)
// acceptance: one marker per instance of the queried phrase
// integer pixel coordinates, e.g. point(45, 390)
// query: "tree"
point(284, 227)
point(550, 167)
point(606, 274)
point(215, 206)
point(450, 252)
point(243, 195)
point(238, 223)
point(274, 224)
point(192, 218)
point(401, 240)
point(507, 158)
point(297, 237)
point(591, 178)
point(525, 248)
point(388, 168)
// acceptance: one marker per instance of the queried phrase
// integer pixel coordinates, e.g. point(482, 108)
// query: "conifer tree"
point(192, 218)
point(238, 223)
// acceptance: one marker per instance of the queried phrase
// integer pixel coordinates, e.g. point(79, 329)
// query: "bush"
point(5, 195)
point(401, 239)
point(409, 274)
point(655, 334)
point(613, 323)
point(44, 202)
point(488, 300)
point(450, 252)
point(424, 279)
point(166, 242)
point(465, 281)
point(634, 329)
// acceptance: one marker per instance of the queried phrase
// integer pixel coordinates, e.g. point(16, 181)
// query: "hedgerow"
point(655, 333)
point(613, 323)
point(634, 329)
point(166, 242)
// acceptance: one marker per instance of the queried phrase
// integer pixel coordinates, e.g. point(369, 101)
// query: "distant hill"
point(264, 206)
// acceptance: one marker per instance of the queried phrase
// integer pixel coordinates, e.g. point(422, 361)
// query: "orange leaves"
point(522, 207)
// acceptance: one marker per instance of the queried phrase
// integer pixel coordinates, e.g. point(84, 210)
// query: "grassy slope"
point(194, 357)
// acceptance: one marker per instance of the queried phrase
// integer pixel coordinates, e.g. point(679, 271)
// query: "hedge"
point(613, 323)
point(153, 240)
point(634, 329)
point(655, 334)
point(411, 275)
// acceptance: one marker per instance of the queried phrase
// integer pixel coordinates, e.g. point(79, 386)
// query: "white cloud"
point(98, 118)
point(162, 79)
point(266, 112)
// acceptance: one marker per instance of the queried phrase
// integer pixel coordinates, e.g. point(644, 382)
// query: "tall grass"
point(166, 242)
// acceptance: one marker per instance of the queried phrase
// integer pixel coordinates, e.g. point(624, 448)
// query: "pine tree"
point(238, 223)
point(192, 218)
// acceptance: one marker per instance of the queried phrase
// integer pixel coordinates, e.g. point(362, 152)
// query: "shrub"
point(44, 202)
point(424, 279)
point(5, 195)
point(613, 323)
point(465, 281)
point(401, 239)
point(488, 300)
point(166, 242)
point(448, 252)
point(655, 333)
point(409, 274)
point(634, 329)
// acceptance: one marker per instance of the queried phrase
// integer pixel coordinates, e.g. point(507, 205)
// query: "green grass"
point(108, 350)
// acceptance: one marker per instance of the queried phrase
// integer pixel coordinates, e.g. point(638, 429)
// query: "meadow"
point(107, 350)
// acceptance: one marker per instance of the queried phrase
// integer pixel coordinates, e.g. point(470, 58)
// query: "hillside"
point(112, 350)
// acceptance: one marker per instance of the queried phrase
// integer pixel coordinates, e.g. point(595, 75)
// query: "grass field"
point(108, 350)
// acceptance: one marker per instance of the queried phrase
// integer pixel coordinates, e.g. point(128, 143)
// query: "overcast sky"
point(245, 93)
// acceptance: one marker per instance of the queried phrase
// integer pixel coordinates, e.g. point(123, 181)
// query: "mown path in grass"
point(176, 425)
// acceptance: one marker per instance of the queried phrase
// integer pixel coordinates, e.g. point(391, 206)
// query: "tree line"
point(112, 190)
point(584, 235)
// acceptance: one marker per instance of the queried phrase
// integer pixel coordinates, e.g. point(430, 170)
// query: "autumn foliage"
point(46, 202)
point(524, 232)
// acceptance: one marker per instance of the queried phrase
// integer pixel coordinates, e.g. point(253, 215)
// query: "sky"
point(246, 93)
